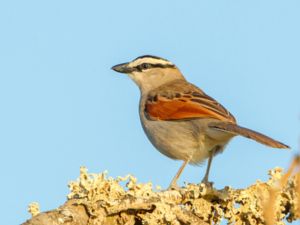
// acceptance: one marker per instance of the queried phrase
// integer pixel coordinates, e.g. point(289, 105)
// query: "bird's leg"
point(173, 184)
point(205, 178)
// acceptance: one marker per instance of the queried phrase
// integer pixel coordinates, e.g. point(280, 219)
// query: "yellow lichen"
point(126, 201)
point(34, 208)
point(104, 197)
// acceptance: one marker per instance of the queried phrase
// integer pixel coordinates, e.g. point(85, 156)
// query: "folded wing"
point(181, 106)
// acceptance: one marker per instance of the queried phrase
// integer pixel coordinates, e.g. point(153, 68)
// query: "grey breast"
point(175, 139)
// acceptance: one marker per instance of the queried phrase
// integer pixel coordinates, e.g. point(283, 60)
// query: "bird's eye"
point(145, 66)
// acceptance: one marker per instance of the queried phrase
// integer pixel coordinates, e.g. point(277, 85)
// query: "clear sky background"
point(62, 107)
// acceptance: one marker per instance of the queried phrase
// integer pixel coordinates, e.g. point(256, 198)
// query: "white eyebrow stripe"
point(149, 60)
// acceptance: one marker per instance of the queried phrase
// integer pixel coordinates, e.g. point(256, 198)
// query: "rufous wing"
point(185, 107)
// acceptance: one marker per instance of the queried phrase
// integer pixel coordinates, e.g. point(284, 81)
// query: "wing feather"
point(181, 106)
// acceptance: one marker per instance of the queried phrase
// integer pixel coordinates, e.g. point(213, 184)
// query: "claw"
point(173, 186)
point(207, 183)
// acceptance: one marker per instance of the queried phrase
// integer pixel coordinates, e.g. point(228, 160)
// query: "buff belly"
point(185, 140)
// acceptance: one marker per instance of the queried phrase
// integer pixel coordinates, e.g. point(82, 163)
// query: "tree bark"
point(97, 200)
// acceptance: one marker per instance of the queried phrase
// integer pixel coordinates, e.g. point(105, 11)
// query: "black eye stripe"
point(145, 66)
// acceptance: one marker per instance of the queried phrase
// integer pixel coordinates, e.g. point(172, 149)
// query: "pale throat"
point(149, 81)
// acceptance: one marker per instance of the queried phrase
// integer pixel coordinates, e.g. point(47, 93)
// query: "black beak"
point(122, 68)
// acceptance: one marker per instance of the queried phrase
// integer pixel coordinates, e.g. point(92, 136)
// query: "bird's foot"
point(173, 186)
point(207, 183)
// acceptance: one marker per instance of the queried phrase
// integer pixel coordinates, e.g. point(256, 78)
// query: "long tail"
point(261, 138)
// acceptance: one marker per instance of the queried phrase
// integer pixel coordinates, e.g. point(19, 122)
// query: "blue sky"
point(62, 107)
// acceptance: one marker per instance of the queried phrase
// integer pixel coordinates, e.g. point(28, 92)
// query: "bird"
point(180, 119)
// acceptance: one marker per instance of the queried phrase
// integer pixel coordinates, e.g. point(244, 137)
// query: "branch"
point(96, 199)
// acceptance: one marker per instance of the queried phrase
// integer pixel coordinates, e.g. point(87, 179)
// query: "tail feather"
point(245, 132)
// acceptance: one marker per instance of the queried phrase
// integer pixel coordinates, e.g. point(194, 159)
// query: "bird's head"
point(149, 72)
